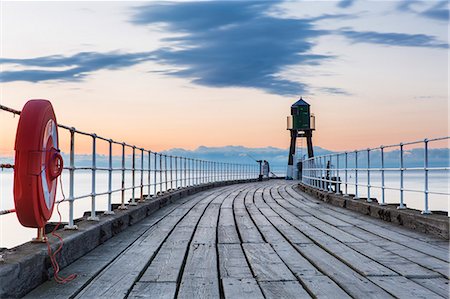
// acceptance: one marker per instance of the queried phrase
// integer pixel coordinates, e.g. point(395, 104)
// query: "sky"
point(165, 75)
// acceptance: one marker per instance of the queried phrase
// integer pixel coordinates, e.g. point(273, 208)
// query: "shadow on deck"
point(258, 240)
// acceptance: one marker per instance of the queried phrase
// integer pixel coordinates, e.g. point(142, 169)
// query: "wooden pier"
point(259, 240)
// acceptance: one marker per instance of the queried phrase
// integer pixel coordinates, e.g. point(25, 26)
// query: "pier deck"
point(259, 240)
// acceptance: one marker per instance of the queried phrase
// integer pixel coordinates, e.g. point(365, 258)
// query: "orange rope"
point(51, 254)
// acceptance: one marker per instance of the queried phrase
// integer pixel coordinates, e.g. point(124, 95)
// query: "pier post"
point(368, 176)
point(93, 217)
point(123, 206)
point(356, 176)
point(401, 206)
point(383, 191)
point(426, 210)
point(71, 224)
point(133, 178)
point(109, 211)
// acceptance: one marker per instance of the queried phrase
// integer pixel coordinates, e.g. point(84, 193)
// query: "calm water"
point(13, 234)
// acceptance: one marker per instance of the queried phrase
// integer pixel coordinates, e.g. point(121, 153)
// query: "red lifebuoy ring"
point(38, 163)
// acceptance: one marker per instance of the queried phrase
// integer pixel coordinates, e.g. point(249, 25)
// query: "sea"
point(12, 233)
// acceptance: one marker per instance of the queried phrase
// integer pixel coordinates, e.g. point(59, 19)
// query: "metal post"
point(346, 175)
point(109, 210)
point(133, 178)
point(330, 175)
point(176, 172)
point(368, 176)
point(149, 174)
point(141, 199)
point(426, 210)
point(171, 172)
point(185, 173)
point(337, 175)
point(383, 202)
point(154, 174)
point(71, 225)
point(165, 173)
point(356, 176)
point(123, 206)
point(93, 217)
point(401, 206)
point(160, 174)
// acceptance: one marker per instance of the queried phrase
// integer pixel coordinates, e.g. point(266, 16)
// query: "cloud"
point(393, 39)
point(439, 11)
point(233, 44)
point(77, 66)
point(345, 3)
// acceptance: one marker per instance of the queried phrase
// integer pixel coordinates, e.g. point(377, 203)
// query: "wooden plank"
point(322, 287)
point(402, 287)
point(438, 285)
point(205, 235)
point(295, 261)
point(194, 287)
point(241, 288)
point(201, 262)
point(417, 257)
point(265, 263)
point(232, 262)
point(351, 281)
point(226, 217)
point(166, 265)
point(283, 289)
point(246, 228)
point(227, 235)
point(360, 263)
point(210, 216)
point(162, 290)
point(394, 261)
point(412, 243)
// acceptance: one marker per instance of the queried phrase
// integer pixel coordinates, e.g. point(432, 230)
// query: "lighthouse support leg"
point(290, 169)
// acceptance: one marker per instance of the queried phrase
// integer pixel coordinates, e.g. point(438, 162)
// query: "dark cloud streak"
point(79, 65)
point(393, 39)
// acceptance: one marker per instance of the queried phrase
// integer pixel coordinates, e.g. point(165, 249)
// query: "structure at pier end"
point(300, 123)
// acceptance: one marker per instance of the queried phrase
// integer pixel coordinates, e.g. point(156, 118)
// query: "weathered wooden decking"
point(259, 240)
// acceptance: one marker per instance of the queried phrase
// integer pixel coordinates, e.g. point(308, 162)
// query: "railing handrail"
point(169, 172)
point(318, 172)
point(382, 147)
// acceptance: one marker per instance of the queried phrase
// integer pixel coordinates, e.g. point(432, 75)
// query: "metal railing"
point(164, 172)
point(330, 172)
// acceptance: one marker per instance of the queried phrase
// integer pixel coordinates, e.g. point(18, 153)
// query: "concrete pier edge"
point(435, 224)
point(28, 265)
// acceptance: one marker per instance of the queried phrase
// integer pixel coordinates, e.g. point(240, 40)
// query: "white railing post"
point(401, 206)
point(133, 178)
point(109, 210)
point(356, 176)
point(155, 160)
point(338, 186)
point(346, 175)
point(160, 174)
point(426, 210)
point(93, 216)
point(122, 205)
point(141, 199)
point(368, 176)
point(149, 171)
point(383, 191)
point(70, 224)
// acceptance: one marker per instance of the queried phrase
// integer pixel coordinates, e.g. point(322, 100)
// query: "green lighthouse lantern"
point(301, 116)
